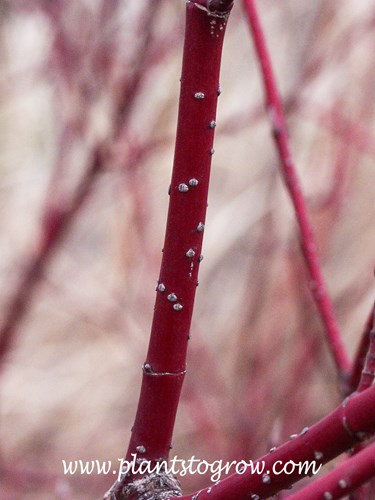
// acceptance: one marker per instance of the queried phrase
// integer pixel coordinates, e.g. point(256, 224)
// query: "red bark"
point(360, 356)
point(165, 365)
point(346, 478)
point(351, 422)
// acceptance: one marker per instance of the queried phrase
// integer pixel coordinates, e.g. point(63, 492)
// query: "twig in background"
point(60, 211)
point(55, 223)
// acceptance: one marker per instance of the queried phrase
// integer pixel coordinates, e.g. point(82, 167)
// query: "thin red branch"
point(308, 244)
point(366, 379)
point(351, 422)
point(360, 357)
point(368, 372)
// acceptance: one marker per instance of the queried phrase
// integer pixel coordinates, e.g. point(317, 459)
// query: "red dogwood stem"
point(368, 372)
point(165, 365)
point(361, 354)
point(346, 478)
point(351, 422)
point(308, 244)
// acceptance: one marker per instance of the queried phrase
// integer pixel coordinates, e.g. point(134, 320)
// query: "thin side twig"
point(288, 170)
point(368, 372)
point(360, 357)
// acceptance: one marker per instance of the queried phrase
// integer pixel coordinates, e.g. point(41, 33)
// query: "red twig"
point(367, 363)
point(165, 365)
point(308, 244)
point(344, 479)
point(352, 421)
point(368, 372)
point(360, 357)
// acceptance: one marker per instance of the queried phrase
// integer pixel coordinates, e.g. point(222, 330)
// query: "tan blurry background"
point(258, 366)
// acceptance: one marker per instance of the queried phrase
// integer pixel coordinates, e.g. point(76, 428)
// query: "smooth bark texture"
point(165, 365)
point(344, 479)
